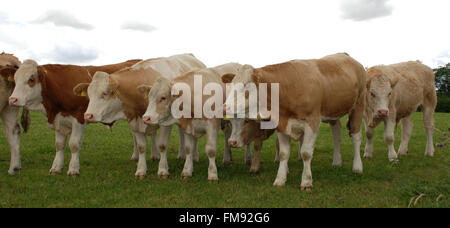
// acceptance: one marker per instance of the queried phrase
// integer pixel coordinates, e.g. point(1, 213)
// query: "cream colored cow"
point(9, 114)
point(394, 93)
point(311, 91)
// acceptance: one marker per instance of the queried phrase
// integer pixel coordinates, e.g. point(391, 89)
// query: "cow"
point(394, 92)
point(48, 89)
point(9, 114)
point(310, 91)
point(116, 96)
point(159, 111)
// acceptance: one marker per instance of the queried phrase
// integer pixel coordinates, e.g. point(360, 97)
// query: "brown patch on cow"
point(211, 153)
point(187, 150)
point(162, 148)
point(141, 149)
point(58, 82)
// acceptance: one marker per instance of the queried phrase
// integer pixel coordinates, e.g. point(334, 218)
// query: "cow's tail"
point(25, 120)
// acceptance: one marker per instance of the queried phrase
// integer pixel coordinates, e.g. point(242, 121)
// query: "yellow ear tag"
point(83, 94)
point(226, 117)
point(10, 79)
point(146, 96)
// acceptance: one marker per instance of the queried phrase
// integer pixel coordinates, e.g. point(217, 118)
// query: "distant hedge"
point(443, 104)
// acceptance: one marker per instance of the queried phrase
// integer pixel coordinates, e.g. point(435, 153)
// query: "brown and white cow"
point(195, 125)
point(394, 93)
point(49, 89)
point(117, 97)
point(9, 114)
point(311, 91)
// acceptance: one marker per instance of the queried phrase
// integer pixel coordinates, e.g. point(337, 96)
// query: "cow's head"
point(244, 131)
point(9, 60)
point(28, 85)
point(245, 80)
point(379, 95)
point(104, 103)
point(160, 99)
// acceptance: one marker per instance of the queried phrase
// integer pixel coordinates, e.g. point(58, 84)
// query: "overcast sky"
point(249, 32)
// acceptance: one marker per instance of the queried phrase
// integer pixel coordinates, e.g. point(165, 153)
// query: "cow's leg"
point(60, 144)
point(135, 156)
point(336, 130)
point(429, 106)
point(155, 156)
point(300, 143)
point(195, 154)
point(407, 127)
point(227, 156)
point(370, 131)
point(248, 154)
point(354, 126)
point(141, 141)
point(163, 143)
point(285, 150)
point(211, 149)
point(75, 142)
point(181, 145)
point(256, 162)
point(309, 139)
point(189, 142)
point(12, 131)
point(389, 138)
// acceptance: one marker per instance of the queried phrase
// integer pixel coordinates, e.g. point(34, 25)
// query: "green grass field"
point(107, 175)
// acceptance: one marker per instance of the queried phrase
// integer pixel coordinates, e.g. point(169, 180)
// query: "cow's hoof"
point(181, 158)
point(307, 189)
point(279, 183)
point(213, 180)
point(185, 177)
point(358, 171)
point(254, 171)
point(368, 156)
point(337, 165)
point(227, 162)
point(54, 172)
point(276, 161)
point(141, 176)
point(133, 159)
point(154, 158)
point(14, 171)
point(73, 174)
point(164, 176)
point(394, 161)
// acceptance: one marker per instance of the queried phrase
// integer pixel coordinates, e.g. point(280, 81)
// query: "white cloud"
point(442, 59)
point(137, 26)
point(62, 18)
point(362, 10)
point(73, 53)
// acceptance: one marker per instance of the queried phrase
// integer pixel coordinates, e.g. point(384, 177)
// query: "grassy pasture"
point(107, 175)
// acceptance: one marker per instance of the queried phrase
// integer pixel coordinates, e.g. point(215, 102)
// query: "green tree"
point(442, 75)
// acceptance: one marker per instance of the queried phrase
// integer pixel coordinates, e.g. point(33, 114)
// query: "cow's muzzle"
point(89, 117)
point(13, 101)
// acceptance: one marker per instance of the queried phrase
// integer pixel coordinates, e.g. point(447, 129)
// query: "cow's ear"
point(394, 81)
point(144, 90)
point(8, 73)
point(228, 78)
point(81, 89)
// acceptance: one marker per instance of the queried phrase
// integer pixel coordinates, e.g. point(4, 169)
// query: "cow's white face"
point(242, 83)
point(28, 88)
point(159, 102)
point(104, 104)
point(243, 132)
point(379, 95)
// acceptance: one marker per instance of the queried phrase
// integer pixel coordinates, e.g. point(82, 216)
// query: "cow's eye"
point(163, 98)
point(389, 94)
point(246, 121)
point(372, 94)
point(31, 80)
point(104, 94)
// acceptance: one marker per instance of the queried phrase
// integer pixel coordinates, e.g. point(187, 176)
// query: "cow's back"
point(328, 87)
